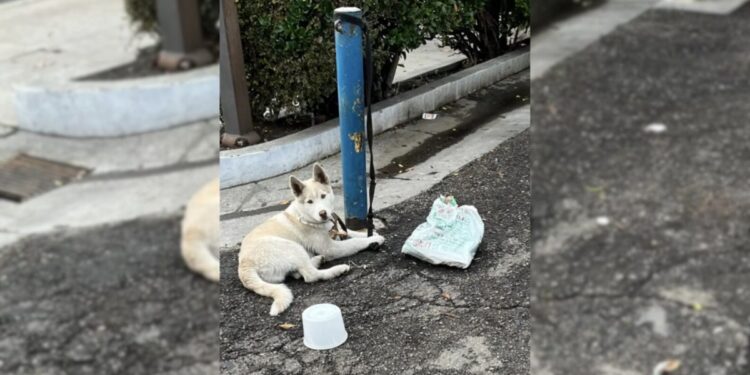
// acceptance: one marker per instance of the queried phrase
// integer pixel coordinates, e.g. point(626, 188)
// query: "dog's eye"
point(322, 196)
point(309, 201)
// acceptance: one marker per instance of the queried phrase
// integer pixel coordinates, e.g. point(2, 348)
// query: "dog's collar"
point(311, 223)
point(294, 215)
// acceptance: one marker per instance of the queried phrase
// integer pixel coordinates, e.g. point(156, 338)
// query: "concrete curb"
point(294, 151)
point(711, 7)
point(116, 108)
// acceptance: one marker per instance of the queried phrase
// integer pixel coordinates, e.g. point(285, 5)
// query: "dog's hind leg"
point(316, 261)
point(311, 273)
point(196, 252)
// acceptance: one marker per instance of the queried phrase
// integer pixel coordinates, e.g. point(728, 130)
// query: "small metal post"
point(351, 92)
point(183, 46)
point(235, 101)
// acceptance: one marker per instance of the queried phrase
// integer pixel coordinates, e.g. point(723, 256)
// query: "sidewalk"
point(61, 50)
point(666, 276)
point(569, 36)
point(425, 59)
point(404, 316)
point(152, 174)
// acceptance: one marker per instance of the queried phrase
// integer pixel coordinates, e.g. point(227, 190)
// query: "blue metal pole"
point(351, 90)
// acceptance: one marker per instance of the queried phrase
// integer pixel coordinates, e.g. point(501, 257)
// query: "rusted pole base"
point(235, 141)
point(173, 61)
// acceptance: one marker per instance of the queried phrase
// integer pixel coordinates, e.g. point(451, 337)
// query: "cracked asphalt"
point(668, 276)
point(405, 316)
point(114, 299)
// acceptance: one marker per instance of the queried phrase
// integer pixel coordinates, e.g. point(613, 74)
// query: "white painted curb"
point(712, 7)
point(285, 154)
point(119, 107)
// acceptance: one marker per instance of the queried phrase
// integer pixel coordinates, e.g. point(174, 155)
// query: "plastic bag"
point(450, 236)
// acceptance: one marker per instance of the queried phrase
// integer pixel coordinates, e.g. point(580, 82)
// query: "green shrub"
point(143, 15)
point(289, 45)
point(497, 25)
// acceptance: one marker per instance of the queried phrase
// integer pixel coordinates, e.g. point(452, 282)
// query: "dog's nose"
point(323, 214)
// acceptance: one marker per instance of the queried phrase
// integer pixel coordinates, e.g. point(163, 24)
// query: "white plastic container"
point(323, 326)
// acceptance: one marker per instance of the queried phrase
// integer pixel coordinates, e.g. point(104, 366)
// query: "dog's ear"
point(319, 174)
point(296, 185)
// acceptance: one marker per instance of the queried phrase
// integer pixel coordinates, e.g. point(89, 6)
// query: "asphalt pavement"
point(641, 213)
point(404, 316)
point(113, 299)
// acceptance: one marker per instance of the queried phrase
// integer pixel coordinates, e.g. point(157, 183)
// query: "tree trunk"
point(382, 89)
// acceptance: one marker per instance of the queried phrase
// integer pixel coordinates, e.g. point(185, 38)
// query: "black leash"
point(368, 102)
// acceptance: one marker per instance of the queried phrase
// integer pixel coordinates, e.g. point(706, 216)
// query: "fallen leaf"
point(666, 366)
point(286, 326)
point(697, 306)
point(446, 296)
point(285, 201)
point(598, 190)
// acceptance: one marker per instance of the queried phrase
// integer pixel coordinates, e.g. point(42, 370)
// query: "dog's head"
point(313, 197)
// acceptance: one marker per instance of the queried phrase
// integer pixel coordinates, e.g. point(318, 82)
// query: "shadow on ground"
point(404, 316)
point(109, 300)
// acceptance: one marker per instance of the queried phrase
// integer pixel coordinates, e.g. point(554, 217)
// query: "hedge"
point(288, 45)
point(142, 13)
point(497, 27)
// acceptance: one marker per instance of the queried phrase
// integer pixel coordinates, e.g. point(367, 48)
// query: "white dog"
point(295, 242)
point(200, 232)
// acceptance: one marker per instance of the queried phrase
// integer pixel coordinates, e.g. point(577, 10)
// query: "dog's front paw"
point(377, 239)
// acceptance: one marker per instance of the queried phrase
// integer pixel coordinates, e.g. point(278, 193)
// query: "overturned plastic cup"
point(323, 326)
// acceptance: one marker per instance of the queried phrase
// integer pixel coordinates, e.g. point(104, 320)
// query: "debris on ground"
point(450, 236)
point(665, 367)
point(655, 128)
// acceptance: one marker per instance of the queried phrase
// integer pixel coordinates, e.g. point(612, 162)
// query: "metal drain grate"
point(26, 176)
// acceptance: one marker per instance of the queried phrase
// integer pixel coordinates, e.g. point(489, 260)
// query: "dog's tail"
point(282, 296)
point(196, 251)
